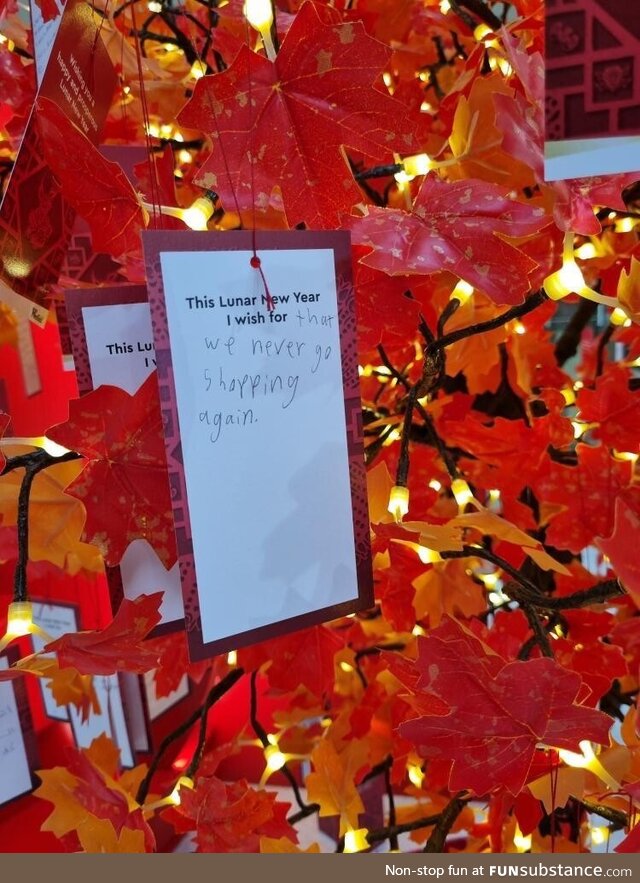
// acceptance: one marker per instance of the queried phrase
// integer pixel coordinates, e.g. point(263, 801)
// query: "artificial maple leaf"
point(48, 8)
point(457, 227)
point(231, 817)
point(88, 790)
point(56, 520)
point(618, 548)
point(304, 657)
point(100, 836)
point(629, 290)
point(499, 711)
point(332, 785)
point(447, 588)
point(124, 485)
point(287, 122)
point(97, 189)
point(67, 685)
point(118, 647)
point(614, 407)
point(284, 845)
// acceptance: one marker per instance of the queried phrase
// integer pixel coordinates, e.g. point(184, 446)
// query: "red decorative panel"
point(592, 68)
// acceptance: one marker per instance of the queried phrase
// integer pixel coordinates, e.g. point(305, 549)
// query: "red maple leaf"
point(124, 485)
point(304, 657)
point(619, 548)
point(576, 199)
point(499, 711)
point(97, 189)
point(119, 646)
point(289, 121)
point(48, 8)
point(231, 817)
point(453, 227)
point(614, 407)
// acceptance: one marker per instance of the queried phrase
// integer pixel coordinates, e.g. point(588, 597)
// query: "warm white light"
point(198, 214)
point(53, 449)
point(232, 658)
point(626, 456)
point(259, 14)
point(198, 69)
point(598, 835)
point(428, 556)
point(415, 774)
point(355, 840)
point(624, 225)
point(398, 502)
point(586, 251)
point(619, 317)
point(462, 291)
point(435, 485)
point(521, 843)
point(19, 619)
point(519, 328)
point(461, 491)
point(567, 280)
point(274, 758)
point(419, 164)
point(154, 6)
point(579, 761)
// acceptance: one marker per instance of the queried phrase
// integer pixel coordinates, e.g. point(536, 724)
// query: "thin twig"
point(438, 836)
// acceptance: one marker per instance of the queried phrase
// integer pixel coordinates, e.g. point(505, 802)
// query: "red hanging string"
point(255, 261)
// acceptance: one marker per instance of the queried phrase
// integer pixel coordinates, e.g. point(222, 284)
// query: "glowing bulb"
point(624, 225)
point(398, 502)
point(419, 164)
point(259, 14)
point(417, 631)
point(568, 395)
point(435, 485)
point(579, 428)
point(198, 214)
point(619, 317)
point(198, 69)
point(462, 291)
point(564, 281)
point(489, 580)
point(586, 251)
point(274, 757)
point(355, 840)
point(494, 495)
point(415, 774)
point(482, 31)
point(232, 658)
point(154, 6)
point(428, 556)
point(183, 782)
point(519, 328)
point(461, 491)
point(521, 843)
point(19, 619)
point(626, 456)
point(346, 667)
point(445, 6)
point(579, 761)
point(598, 835)
point(53, 449)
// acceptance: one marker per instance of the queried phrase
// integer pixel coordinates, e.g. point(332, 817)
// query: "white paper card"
point(158, 706)
point(261, 408)
point(111, 719)
point(119, 343)
point(56, 620)
point(44, 35)
point(15, 776)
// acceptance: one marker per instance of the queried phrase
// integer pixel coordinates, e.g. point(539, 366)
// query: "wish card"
point(592, 98)
point(17, 740)
point(259, 388)
point(112, 344)
point(35, 221)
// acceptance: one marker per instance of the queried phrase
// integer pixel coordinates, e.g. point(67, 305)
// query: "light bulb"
point(521, 843)
point(19, 619)
point(259, 14)
point(586, 251)
point(519, 328)
point(398, 502)
point(482, 31)
point(567, 280)
point(198, 214)
point(568, 395)
point(624, 225)
point(232, 658)
point(51, 447)
point(419, 164)
point(588, 761)
point(619, 317)
point(274, 758)
point(154, 6)
point(435, 485)
point(428, 556)
point(355, 840)
point(626, 456)
point(461, 491)
point(598, 835)
point(198, 69)
point(462, 291)
point(183, 782)
point(415, 774)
